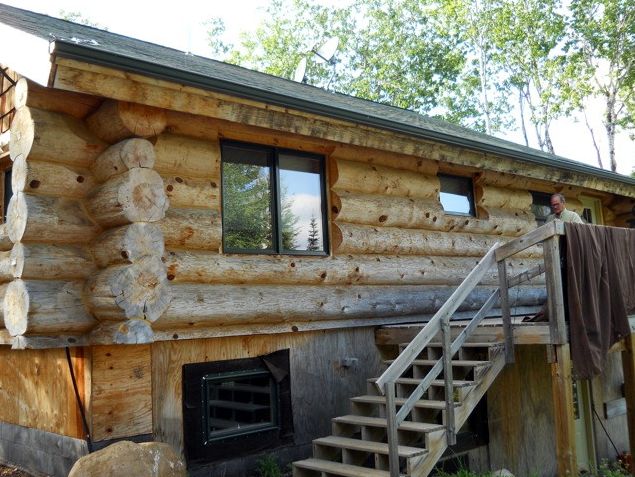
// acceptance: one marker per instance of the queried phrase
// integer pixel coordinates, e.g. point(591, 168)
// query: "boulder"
point(125, 459)
point(502, 473)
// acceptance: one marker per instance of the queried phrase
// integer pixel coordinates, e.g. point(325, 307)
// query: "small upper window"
point(540, 206)
point(273, 200)
point(457, 195)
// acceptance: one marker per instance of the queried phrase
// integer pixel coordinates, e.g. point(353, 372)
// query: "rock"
point(502, 473)
point(125, 458)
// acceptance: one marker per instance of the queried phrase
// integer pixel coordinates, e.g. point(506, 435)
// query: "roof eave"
point(87, 54)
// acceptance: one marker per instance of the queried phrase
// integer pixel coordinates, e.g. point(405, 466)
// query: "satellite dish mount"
point(325, 53)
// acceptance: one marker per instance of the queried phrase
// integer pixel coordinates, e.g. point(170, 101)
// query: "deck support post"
point(506, 312)
point(562, 387)
point(555, 296)
point(628, 366)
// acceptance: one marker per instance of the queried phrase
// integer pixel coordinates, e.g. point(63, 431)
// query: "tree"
point(603, 42)
point(313, 241)
point(77, 17)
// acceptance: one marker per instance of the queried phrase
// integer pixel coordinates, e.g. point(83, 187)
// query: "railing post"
point(555, 297)
point(508, 332)
point(391, 429)
point(449, 386)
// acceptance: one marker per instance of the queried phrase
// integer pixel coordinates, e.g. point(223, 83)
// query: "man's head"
point(557, 203)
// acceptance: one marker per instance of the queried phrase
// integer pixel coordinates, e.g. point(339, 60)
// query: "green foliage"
point(268, 467)
point(602, 43)
point(77, 17)
point(471, 62)
point(313, 241)
point(246, 207)
point(612, 469)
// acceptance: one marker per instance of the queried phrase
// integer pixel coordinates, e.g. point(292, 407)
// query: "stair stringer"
point(437, 442)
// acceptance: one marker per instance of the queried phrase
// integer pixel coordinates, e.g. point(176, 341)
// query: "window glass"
point(273, 200)
point(301, 203)
point(457, 195)
point(247, 219)
point(239, 403)
point(540, 206)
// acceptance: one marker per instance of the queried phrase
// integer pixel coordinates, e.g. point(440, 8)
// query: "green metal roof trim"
point(96, 46)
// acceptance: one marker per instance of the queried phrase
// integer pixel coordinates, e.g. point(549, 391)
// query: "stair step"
point(335, 468)
point(457, 383)
point(466, 363)
point(422, 403)
point(367, 446)
point(421, 427)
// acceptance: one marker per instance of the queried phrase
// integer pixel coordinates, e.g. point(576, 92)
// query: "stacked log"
point(47, 224)
point(130, 287)
point(190, 169)
point(384, 210)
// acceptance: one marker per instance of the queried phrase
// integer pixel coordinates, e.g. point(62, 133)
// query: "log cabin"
point(243, 266)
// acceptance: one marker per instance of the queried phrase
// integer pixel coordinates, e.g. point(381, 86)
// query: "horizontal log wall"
point(133, 212)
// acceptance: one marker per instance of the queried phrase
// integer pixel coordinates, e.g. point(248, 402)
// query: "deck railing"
point(548, 234)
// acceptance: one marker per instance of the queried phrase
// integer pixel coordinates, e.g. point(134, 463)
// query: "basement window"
point(236, 407)
point(457, 195)
point(273, 200)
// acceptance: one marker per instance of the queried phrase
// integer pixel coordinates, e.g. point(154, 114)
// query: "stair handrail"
point(440, 322)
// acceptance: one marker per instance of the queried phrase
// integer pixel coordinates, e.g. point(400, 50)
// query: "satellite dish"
point(328, 48)
point(299, 71)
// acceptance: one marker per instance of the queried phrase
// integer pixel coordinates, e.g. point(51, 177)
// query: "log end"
point(16, 217)
point(127, 332)
point(142, 290)
point(22, 133)
point(16, 307)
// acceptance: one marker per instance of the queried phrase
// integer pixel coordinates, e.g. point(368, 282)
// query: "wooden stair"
point(411, 413)
point(358, 445)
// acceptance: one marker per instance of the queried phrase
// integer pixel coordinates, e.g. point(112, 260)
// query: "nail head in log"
point(48, 178)
point(33, 218)
point(134, 196)
point(138, 290)
point(370, 179)
point(128, 244)
point(45, 306)
point(53, 137)
point(117, 120)
point(123, 156)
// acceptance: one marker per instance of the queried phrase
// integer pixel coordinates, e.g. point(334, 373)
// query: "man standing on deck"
point(559, 211)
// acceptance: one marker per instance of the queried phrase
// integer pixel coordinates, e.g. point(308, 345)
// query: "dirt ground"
point(12, 472)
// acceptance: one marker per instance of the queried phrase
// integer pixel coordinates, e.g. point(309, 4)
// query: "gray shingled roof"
point(109, 49)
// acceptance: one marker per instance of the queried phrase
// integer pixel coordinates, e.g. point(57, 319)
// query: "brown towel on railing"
point(601, 292)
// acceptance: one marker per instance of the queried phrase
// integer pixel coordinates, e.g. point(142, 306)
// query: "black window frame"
point(540, 199)
point(470, 193)
point(273, 153)
point(198, 447)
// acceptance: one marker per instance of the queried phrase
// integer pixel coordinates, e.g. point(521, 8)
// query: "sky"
point(180, 25)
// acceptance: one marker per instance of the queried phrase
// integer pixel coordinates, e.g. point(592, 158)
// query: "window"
point(7, 193)
point(540, 206)
point(236, 407)
point(273, 200)
point(457, 195)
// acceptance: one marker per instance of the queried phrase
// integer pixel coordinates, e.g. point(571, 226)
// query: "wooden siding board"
point(521, 395)
point(36, 390)
point(121, 391)
point(315, 366)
